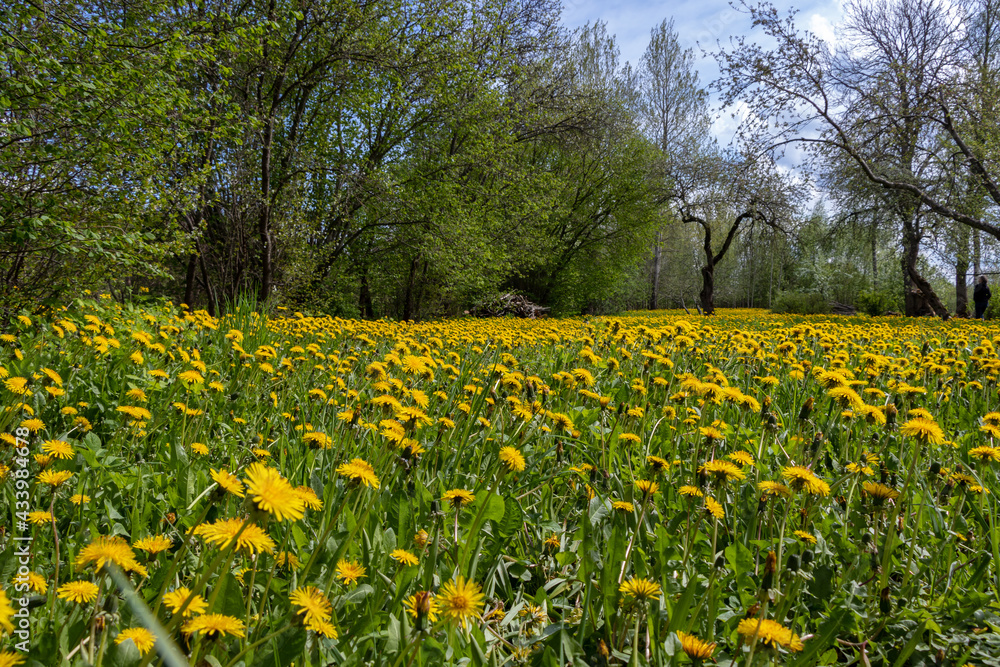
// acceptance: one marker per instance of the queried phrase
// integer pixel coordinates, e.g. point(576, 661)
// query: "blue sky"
point(701, 25)
point(698, 22)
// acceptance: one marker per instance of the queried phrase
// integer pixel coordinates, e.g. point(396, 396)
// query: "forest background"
point(417, 158)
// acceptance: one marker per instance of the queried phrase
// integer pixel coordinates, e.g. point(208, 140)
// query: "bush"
point(877, 303)
point(801, 303)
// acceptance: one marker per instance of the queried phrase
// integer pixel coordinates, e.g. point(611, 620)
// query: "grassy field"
point(656, 488)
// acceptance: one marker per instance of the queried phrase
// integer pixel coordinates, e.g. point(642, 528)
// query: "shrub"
point(877, 303)
point(801, 303)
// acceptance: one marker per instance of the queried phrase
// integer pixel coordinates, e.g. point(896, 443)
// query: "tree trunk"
point(654, 293)
point(708, 288)
point(920, 296)
point(962, 274)
point(977, 254)
point(911, 247)
point(212, 300)
point(264, 221)
point(408, 299)
point(770, 280)
point(421, 288)
point(189, 281)
point(874, 241)
point(365, 298)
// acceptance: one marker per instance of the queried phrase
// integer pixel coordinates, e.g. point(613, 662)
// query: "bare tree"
point(905, 91)
point(728, 194)
point(674, 109)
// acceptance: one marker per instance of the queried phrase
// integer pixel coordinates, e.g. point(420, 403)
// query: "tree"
point(674, 109)
point(909, 77)
point(91, 111)
point(728, 193)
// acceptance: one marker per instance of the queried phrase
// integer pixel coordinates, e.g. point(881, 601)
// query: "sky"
point(702, 25)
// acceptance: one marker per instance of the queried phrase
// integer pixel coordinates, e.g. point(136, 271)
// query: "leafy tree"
point(92, 112)
point(896, 101)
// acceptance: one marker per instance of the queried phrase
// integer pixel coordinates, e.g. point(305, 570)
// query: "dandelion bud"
point(890, 414)
point(807, 557)
point(793, 563)
point(884, 603)
point(770, 566)
point(935, 469)
point(807, 408)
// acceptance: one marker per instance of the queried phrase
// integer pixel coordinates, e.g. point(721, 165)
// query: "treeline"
point(381, 157)
point(412, 158)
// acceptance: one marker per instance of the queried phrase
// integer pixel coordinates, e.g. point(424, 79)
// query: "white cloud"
point(821, 26)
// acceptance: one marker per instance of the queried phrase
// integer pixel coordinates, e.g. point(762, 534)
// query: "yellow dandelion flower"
point(59, 449)
point(879, 492)
point(17, 386)
point(623, 507)
point(722, 471)
point(744, 458)
point(769, 632)
point(646, 487)
point(214, 625)
point(309, 497)
point(312, 604)
point(272, 493)
point(657, 464)
point(35, 582)
point(512, 459)
point(641, 589)
point(985, 453)
point(104, 550)
point(460, 600)
point(422, 606)
point(696, 648)
point(143, 639)
point(54, 478)
point(33, 425)
point(403, 557)
point(458, 497)
point(318, 440)
point(801, 478)
point(80, 592)
point(349, 571)
point(925, 430)
point(224, 531)
point(714, 507)
point(228, 482)
point(774, 489)
point(6, 613)
point(809, 538)
point(154, 544)
point(175, 601)
point(359, 471)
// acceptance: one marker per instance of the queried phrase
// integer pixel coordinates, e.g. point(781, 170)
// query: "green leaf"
point(283, 650)
point(513, 517)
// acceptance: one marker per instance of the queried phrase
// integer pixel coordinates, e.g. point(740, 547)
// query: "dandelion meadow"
point(651, 489)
